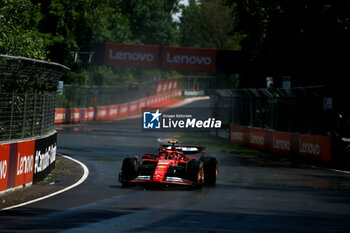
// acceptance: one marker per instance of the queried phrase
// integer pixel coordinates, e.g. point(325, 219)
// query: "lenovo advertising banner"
point(131, 55)
point(45, 157)
point(167, 57)
point(257, 138)
point(24, 163)
point(4, 165)
point(237, 134)
point(279, 142)
point(195, 59)
point(318, 147)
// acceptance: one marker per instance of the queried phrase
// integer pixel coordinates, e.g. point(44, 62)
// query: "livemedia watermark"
point(179, 119)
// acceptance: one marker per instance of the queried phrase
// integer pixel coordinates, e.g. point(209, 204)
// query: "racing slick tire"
point(195, 173)
point(210, 170)
point(129, 171)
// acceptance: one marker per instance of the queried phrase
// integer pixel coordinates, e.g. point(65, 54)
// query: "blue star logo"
point(151, 120)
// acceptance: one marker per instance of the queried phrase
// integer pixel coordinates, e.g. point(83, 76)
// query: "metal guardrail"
point(27, 96)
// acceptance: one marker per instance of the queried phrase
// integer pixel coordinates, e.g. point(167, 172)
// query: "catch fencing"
point(299, 110)
point(27, 96)
point(86, 96)
point(207, 82)
point(109, 103)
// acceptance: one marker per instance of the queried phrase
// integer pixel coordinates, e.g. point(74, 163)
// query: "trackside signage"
point(257, 138)
point(315, 147)
point(167, 57)
point(45, 157)
point(237, 134)
point(131, 55)
point(312, 146)
point(24, 163)
point(4, 165)
point(281, 142)
point(180, 58)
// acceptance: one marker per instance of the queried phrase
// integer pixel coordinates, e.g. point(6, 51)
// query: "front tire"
point(195, 173)
point(129, 171)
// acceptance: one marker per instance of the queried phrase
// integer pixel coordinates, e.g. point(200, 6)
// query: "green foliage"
point(190, 26)
point(275, 34)
point(296, 37)
point(76, 25)
point(151, 20)
point(209, 24)
point(18, 32)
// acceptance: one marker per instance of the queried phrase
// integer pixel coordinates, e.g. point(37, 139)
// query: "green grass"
point(213, 143)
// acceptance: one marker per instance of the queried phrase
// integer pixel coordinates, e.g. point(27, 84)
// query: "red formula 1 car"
point(170, 166)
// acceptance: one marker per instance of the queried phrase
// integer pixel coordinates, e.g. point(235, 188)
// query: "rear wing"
point(185, 149)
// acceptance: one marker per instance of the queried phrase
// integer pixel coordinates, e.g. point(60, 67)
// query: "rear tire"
point(210, 170)
point(129, 171)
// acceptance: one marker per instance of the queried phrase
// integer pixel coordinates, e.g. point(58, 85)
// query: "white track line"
point(339, 171)
point(82, 179)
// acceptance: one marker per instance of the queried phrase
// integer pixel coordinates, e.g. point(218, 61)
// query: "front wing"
point(147, 179)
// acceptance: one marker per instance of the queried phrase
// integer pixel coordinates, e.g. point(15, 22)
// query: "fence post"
point(24, 113)
point(42, 115)
point(34, 116)
point(11, 121)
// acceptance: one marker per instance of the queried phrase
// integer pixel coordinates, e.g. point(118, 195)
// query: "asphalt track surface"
point(250, 195)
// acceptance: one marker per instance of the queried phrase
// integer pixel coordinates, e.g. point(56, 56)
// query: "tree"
point(305, 39)
point(209, 24)
point(76, 25)
point(18, 29)
point(218, 25)
point(191, 26)
point(151, 20)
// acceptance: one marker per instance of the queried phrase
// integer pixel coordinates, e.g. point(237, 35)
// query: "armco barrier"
point(111, 112)
point(310, 146)
point(25, 162)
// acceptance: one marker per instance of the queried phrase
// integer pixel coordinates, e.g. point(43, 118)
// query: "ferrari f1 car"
point(170, 166)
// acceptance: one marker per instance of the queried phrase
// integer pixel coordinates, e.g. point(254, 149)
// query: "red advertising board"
point(102, 113)
point(133, 107)
point(257, 138)
point(89, 114)
point(60, 115)
point(237, 134)
point(25, 162)
point(165, 86)
point(280, 142)
point(318, 147)
point(159, 87)
point(4, 165)
point(74, 115)
point(131, 55)
point(113, 111)
point(142, 103)
point(196, 59)
point(124, 110)
point(170, 85)
point(174, 84)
